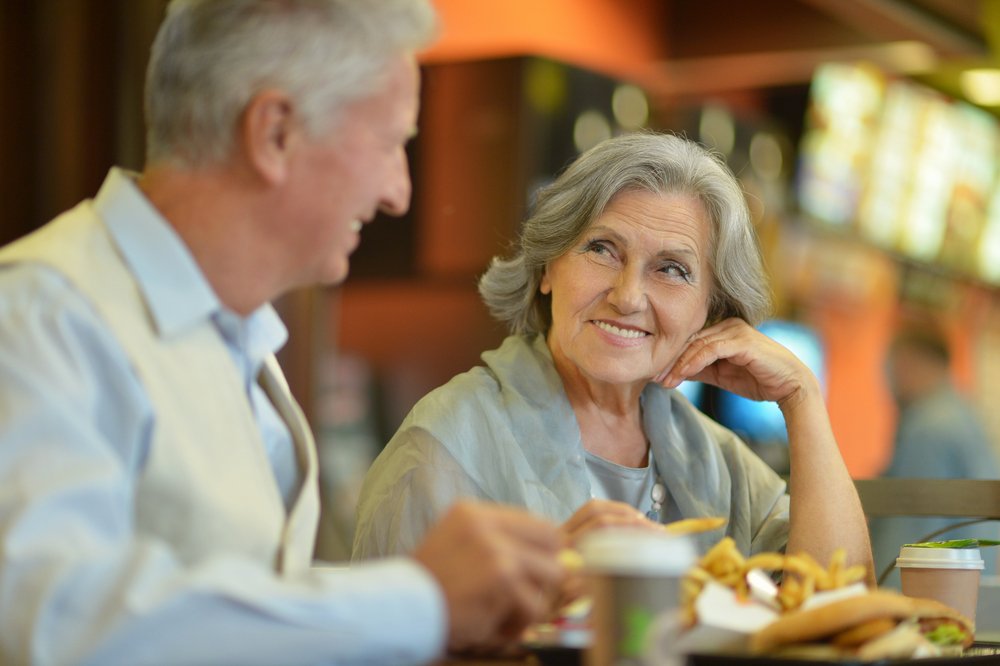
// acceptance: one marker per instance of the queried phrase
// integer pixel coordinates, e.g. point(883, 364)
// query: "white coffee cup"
point(950, 575)
point(633, 576)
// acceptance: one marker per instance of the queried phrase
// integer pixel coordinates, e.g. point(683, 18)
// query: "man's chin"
point(336, 274)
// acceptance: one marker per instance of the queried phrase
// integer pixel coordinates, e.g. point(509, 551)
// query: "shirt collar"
point(257, 336)
point(176, 291)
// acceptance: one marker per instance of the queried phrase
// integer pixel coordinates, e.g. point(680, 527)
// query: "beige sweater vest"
point(207, 488)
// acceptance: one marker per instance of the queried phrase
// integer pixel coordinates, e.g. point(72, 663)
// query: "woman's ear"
point(266, 131)
point(543, 285)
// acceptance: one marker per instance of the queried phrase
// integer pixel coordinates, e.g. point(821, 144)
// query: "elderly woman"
point(638, 269)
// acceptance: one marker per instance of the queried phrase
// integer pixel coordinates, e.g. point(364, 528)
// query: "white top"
point(611, 481)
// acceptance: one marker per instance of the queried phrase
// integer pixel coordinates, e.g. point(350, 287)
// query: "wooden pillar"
point(71, 79)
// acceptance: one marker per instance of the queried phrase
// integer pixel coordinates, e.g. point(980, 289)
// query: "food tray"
point(979, 653)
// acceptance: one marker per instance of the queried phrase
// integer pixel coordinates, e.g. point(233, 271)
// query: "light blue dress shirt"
point(77, 586)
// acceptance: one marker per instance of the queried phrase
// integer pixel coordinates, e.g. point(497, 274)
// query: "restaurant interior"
point(865, 133)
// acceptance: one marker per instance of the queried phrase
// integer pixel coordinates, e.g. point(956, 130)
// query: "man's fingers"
point(498, 569)
point(530, 601)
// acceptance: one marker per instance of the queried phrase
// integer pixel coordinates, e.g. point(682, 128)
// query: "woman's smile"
point(620, 332)
point(632, 290)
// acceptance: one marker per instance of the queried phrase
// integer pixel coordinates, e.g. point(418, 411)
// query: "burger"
point(876, 625)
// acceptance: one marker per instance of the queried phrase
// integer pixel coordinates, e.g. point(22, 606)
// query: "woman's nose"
point(628, 293)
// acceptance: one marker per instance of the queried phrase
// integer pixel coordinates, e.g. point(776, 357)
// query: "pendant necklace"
point(658, 494)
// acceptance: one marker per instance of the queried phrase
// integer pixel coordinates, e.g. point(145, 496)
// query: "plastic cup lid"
point(939, 558)
point(631, 551)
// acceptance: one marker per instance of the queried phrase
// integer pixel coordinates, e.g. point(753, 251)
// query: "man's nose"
point(396, 193)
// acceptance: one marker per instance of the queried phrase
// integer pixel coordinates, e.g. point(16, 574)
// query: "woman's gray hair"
point(210, 58)
point(659, 163)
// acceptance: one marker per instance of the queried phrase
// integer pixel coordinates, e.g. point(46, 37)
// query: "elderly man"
point(158, 493)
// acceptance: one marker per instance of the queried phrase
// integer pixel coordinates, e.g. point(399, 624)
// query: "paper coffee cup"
point(633, 576)
point(950, 575)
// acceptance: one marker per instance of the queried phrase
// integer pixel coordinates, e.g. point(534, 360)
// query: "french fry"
point(802, 565)
point(808, 589)
point(699, 574)
point(790, 594)
point(766, 561)
point(804, 576)
point(835, 570)
point(854, 574)
point(570, 559)
point(723, 558)
point(694, 525)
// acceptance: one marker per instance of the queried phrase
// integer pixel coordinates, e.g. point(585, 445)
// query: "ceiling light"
point(765, 155)
point(982, 86)
point(716, 129)
point(630, 106)
point(590, 128)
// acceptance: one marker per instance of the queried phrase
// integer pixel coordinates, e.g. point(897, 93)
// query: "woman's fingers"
point(722, 340)
point(597, 514)
point(738, 358)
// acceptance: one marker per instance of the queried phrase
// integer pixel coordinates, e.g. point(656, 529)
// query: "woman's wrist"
point(806, 396)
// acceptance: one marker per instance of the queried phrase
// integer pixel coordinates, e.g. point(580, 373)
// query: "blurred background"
point(865, 133)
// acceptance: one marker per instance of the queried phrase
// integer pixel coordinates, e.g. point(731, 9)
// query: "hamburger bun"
point(822, 623)
point(864, 632)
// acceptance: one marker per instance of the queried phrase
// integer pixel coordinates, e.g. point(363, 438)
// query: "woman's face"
point(632, 290)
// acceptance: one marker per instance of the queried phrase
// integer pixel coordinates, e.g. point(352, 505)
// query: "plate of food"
point(817, 615)
point(561, 641)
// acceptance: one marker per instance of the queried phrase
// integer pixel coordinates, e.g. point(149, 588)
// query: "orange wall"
point(610, 36)
point(855, 298)
point(861, 409)
point(416, 334)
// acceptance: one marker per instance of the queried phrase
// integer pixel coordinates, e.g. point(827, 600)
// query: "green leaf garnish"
point(946, 634)
point(955, 543)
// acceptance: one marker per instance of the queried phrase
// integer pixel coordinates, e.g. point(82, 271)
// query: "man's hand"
point(498, 569)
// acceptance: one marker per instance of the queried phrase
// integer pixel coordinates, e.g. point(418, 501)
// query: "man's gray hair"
point(210, 58)
point(659, 163)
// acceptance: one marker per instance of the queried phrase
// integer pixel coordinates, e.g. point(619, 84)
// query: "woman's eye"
point(597, 247)
point(676, 270)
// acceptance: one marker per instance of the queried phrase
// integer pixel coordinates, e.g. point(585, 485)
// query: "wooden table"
point(483, 661)
point(489, 661)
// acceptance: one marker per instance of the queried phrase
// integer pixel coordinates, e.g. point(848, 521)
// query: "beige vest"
point(207, 488)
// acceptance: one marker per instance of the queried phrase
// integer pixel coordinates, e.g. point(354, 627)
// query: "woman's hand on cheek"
point(736, 357)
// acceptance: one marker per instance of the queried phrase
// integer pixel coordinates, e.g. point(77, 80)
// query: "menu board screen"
point(915, 173)
point(845, 103)
point(972, 186)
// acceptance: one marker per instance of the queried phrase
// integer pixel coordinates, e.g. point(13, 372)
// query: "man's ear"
point(267, 128)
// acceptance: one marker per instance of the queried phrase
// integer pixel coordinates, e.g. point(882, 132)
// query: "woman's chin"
point(615, 377)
